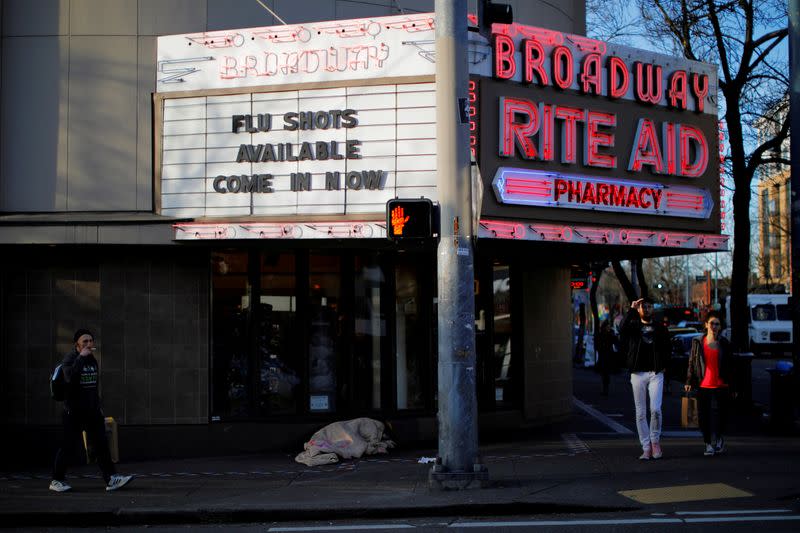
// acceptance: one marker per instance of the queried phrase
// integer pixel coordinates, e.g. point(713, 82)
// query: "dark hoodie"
point(647, 346)
point(81, 375)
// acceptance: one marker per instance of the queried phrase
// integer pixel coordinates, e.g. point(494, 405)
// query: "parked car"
point(699, 326)
point(681, 347)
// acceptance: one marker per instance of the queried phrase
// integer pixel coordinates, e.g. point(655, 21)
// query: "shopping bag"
point(689, 411)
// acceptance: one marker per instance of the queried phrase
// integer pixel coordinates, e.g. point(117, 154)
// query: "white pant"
point(645, 383)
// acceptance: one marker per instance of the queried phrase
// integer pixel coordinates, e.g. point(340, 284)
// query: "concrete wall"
point(546, 333)
point(149, 312)
point(78, 75)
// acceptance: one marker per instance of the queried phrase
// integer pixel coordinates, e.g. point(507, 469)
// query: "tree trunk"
point(624, 281)
point(642, 282)
point(741, 232)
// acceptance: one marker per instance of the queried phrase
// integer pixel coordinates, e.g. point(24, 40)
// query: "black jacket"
point(631, 336)
point(82, 376)
point(696, 369)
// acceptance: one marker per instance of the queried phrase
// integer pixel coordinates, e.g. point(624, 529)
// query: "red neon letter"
point(562, 67)
point(503, 50)
point(700, 89)
point(570, 116)
point(687, 136)
point(546, 145)
point(648, 83)
point(618, 79)
point(533, 55)
point(590, 75)
point(512, 131)
point(668, 142)
point(594, 139)
point(646, 150)
point(559, 189)
point(677, 89)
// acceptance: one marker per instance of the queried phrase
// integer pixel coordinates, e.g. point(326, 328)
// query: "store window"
point(275, 331)
point(502, 334)
point(310, 332)
point(410, 351)
point(369, 332)
point(230, 353)
point(324, 338)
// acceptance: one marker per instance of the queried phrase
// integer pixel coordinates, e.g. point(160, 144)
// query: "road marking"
point(591, 411)
point(741, 511)
point(783, 518)
point(685, 493)
point(551, 523)
point(344, 528)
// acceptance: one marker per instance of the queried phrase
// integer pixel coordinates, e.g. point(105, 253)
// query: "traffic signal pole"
point(458, 465)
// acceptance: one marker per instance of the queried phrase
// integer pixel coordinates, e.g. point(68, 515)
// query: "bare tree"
point(744, 38)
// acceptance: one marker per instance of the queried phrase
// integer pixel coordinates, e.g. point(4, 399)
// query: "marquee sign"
point(358, 49)
point(579, 131)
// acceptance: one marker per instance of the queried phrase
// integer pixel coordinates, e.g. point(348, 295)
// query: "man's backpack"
point(58, 385)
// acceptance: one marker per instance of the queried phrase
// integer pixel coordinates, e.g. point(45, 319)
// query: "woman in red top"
point(710, 371)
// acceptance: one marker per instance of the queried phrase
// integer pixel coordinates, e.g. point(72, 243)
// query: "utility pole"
point(458, 465)
point(794, 110)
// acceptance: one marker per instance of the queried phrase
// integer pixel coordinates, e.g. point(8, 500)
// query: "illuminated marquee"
point(586, 133)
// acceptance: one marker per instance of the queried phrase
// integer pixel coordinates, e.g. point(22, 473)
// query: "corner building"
point(205, 188)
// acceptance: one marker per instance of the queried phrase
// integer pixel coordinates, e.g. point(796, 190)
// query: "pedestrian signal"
point(409, 219)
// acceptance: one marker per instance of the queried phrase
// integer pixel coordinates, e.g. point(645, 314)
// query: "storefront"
point(274, 301)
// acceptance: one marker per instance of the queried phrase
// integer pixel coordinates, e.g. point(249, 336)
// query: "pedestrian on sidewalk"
point(711, 371)
point(606, 354)
point(648, 351)
point(82, 412)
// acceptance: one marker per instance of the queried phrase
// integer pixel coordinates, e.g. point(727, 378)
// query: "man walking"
point(82, 413)
point(648, 352)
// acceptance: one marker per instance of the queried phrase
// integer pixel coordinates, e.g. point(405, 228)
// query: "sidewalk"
point(575, 467)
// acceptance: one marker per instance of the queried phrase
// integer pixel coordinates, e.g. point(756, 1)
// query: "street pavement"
point(587, 464)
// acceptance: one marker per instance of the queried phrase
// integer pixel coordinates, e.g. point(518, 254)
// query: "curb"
point(125, 517)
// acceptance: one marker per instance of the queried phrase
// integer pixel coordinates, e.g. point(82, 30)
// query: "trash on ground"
point(426, 460)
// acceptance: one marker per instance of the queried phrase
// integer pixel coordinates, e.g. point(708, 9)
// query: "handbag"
point(689, 411)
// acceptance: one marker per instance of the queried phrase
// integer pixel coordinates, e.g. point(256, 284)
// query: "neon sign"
point(538, 188)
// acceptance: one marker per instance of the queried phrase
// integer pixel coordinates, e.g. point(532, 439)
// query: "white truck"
point(769, 322)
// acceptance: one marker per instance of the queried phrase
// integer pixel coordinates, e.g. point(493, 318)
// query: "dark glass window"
point(276, 331)
point(501, 367)
point(230, 312)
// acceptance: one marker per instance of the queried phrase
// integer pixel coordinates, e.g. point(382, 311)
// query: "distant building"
point(774, 252)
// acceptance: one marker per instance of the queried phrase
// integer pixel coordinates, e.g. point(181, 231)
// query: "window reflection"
point(275, 332)
point(230, 306)
point(325, 292)
point(370, 328)
point(501, 289)
point(410, 349)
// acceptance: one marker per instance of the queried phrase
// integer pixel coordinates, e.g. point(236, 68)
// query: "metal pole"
point(716, 280)
point(686, 267)
point(794, 109)
point(458, 464)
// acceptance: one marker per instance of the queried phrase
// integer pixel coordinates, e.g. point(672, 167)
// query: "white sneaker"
point(719, 447)
point(59, 486)
point(117, 482)
point(709, 450)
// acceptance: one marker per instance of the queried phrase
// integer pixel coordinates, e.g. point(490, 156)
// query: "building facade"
point(217, 215)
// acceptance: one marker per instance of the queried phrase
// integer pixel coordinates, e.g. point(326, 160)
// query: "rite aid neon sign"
point(564, 140)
